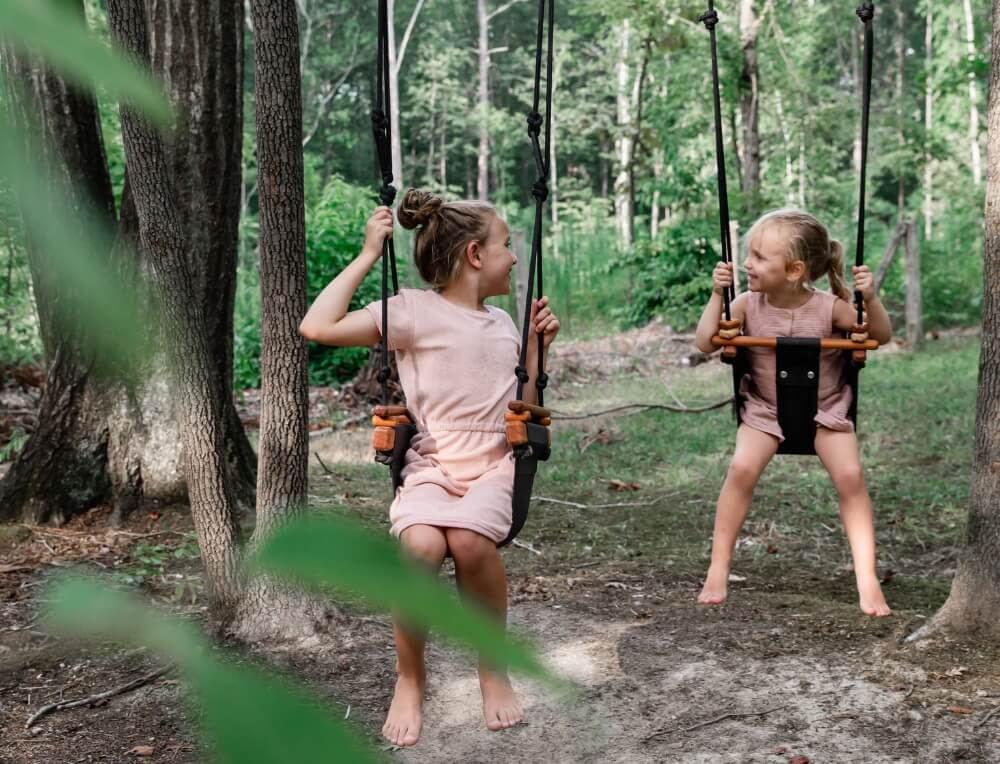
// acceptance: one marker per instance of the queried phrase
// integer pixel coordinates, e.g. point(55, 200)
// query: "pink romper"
point(456, 367)
point(759, 388)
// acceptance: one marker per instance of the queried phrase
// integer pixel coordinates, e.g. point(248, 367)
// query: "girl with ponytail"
point(456, 358)
point(788, 251)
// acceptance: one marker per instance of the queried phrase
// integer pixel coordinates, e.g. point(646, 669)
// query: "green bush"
point(672, 273)
point(335, 224)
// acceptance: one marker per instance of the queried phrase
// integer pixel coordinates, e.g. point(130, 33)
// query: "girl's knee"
point(743, 473)
point(469, 548)
point(848, 479)
point(425, 543)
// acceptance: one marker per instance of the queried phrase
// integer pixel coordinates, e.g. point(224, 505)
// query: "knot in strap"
point(383, 375)
point(540, 190)
point(522, 375)
point(387, 194)
point(710, 19)
point(379, 120)
point(866, 12)
point(543, 381)
point(534, 123)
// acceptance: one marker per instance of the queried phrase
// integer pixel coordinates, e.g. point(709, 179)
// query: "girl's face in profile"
point(497, 258)
point(765, 264)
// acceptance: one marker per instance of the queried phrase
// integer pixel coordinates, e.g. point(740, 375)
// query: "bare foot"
point(871, 599)
point(714, 590)
point(402, 725)
point(501, 708)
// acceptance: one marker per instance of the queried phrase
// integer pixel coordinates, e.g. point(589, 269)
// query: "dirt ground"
point(780, 674)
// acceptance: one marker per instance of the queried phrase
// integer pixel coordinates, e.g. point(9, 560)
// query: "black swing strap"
point(540, 191)
point(866, 12)
point(710, 19)
point(381, 130)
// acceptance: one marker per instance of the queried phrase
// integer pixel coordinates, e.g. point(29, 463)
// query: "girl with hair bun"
point(456, 358)
point(788, 251)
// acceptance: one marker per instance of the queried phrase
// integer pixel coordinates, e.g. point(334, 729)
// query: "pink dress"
point(456, 367)
point(759, 388)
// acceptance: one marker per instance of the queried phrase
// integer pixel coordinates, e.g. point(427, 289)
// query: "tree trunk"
point(970, 41)
point(928, 121)
point(396, 139)
point(189, 350)
point(750, 106)
point(623, 191)
point(103, 439)
point(898, 97)
point(787, 141)
point(974, 602)
point(483, 106)
point(914, 297)
point(62, 467)
point(268, 610)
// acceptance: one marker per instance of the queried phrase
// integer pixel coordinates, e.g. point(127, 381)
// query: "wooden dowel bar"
point(827, 343)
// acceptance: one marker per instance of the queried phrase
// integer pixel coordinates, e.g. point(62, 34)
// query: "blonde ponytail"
point(835, 271)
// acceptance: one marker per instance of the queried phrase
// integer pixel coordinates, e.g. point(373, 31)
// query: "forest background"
point(634, 227)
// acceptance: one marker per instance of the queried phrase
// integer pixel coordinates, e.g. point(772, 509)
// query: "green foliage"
point(335, 225)
point(672, 274)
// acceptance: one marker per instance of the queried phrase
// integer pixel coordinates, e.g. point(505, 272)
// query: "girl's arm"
point(327, 320)
point(708, 324)
point(845, 315)
point(542, 320)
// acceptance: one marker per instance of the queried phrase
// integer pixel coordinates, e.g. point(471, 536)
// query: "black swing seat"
point(797, 381)
point(526, 457)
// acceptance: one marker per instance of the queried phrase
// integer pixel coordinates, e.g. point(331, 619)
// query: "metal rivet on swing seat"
point(811, 374)
point(784, 374)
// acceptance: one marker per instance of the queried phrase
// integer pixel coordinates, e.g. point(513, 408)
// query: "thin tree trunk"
point(898, 97)
point(202, 427)
point(269, 610)
point(914, 297)
point(973, 606)
point(395, 67)
point(928, 122)
point(623, 190)
point(483, 106)
point(654, 212)
point(787, 141)
point(970, 41)
point(750, 105)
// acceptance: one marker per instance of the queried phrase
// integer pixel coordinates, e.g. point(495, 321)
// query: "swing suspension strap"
point(540, 191)
point(866, 13)
point(710, 19)
point(381, 109)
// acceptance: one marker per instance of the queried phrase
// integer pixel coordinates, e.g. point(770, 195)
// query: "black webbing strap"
point(710, 19)
point(381, 109)
point(540, 191)
point(866, 12)
point(797, 381)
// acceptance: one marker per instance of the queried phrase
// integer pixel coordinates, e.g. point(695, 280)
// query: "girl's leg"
point(427, 545)
point(754, 450)
point(839, 453)
point(481, 574)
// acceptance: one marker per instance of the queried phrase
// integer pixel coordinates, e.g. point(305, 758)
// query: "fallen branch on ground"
point(636, 408)
point(578, 505)
point(986, 718)
point(722, 718)
point(322, 464)
point(527, 546)
point(95, 699)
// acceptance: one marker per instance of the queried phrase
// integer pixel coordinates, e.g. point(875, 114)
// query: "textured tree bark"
point(98, 439)
point(191, 366)
point(970, 42)
point(973, 605)
point(623, 143)
point(62, 467)
point(269, 611)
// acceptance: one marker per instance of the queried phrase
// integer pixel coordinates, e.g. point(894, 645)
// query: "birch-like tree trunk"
point(970, 43)
point(928, 121)
point(623, 143)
